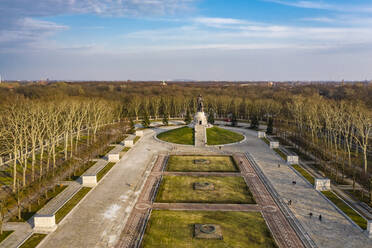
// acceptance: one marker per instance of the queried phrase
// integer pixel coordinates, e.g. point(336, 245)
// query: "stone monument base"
point(207, 231)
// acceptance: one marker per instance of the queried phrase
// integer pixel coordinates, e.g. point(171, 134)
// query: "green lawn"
point(105, 169)
point(5, 235)
point(33, 241)
point(220, 136)
point(170, 229)
point(62, 212)
point(26, 214)
point(281, 154)
point(187, 164)
point(179, 189)
point(304, 173)
point(359, 220)
point(183, 135)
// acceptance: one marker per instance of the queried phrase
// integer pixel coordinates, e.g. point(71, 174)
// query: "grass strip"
point(266, 141)
point(33, 241)
point(219, 136)
point(5, 235)
point(214, 164)
point(136, 139)
point(304, 173)
point(183, 135)
point(281, 154)
point(105, 169)
point(63, 211)
point(26, 214)
point(359, 220)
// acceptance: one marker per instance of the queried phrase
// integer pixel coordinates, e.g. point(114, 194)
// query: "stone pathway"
point(200, 136)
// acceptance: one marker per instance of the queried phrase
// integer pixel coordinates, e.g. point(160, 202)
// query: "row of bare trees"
point(222, 106)
point(341, 129)
point(33, 132)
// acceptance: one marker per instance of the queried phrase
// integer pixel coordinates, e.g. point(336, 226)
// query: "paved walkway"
point(200, 136)
point(101, 216)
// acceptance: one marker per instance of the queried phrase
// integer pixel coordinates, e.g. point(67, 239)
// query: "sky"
point(186, 39)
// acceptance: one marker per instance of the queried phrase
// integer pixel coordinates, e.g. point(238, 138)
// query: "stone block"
point(45, 223)
point(89, 180)
point(322, 184)
point(113, 157)
point(261, 134)
point(139, 133)
point(369, 229)
point(292, 159)
point(128, 143)
point(274, 144)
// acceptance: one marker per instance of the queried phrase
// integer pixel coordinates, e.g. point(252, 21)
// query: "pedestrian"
point(290, 202)
point(320, 217)
point(311, 214)
point(278, 165)
point(293, 182)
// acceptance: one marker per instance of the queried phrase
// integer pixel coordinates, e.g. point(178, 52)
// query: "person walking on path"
point(311, 214)
point(320, 217)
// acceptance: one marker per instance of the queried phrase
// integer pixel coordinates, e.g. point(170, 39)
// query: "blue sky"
point(186, 39)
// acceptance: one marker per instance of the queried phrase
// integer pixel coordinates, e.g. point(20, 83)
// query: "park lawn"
point(63, 211)
point(304, 173)
point(25, 214)
point(179, 189)
point(169, 229)
point(104, 170)
point(186, 164)
point(220, 136)
point(359, 220)
point(33, 241)
point(183, 135)
point(281, 154)
point(5, 235)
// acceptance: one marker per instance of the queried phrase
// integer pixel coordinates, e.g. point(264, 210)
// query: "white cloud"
point(324, 6)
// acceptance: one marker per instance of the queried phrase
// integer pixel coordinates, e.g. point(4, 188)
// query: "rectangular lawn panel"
point(183, 135)
point(63, 211)
point(169, 229)
point(180, 189)
point(215, 164)
point(219, 136)
point(359, 220)
point(33, 241)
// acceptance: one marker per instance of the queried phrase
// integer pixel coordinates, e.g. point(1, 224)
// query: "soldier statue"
point(200, 104)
